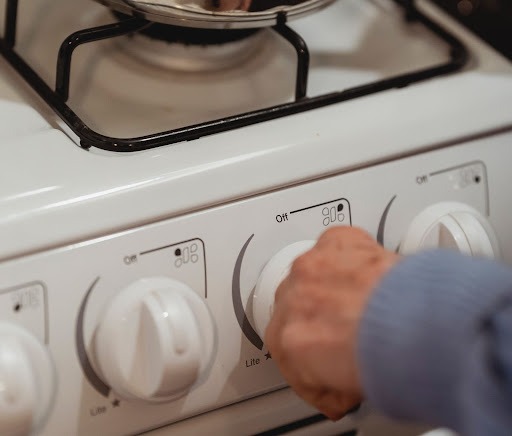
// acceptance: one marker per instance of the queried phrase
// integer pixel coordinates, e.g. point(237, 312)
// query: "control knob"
point(27, 382)
point(442, 225)
point(155, 340)
point(451, 225)
point(274, 272)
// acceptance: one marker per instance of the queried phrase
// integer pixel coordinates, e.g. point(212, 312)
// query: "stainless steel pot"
point(217, 14)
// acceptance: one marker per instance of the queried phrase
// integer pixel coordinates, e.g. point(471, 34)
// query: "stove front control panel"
point(153, 325)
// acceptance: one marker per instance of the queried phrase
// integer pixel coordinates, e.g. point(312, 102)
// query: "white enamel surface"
point(275, 271)
point(451, 225)
point(27, 382)
point(19, 114)
point(18, 119)
point(155, 340)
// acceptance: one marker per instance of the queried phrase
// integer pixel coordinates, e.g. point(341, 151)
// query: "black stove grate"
point(57, 98)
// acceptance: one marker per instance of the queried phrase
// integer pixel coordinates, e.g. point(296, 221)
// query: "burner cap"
point(190, 35)
point(188, 49)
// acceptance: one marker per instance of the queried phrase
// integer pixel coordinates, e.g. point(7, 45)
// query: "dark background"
point(490, 19)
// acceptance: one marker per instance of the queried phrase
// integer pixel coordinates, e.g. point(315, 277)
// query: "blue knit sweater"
point(435, 344)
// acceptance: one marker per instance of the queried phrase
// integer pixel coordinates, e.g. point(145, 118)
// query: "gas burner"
point(148, 107)
point(264, 5)
point(192, 49)
point(190, 57)
point(191, 35)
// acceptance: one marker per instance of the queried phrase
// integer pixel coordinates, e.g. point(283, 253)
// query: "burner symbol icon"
point(333, 214)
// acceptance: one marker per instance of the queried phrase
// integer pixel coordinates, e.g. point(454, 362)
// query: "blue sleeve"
point(435, 344)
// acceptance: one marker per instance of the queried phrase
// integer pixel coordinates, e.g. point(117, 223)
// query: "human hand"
point(313, 331)
point(231, 5)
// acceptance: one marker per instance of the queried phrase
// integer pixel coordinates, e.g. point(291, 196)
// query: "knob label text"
point(95, 411)
point(252, 362)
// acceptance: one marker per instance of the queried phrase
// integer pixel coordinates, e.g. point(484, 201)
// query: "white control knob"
point(155, 340)
point(274, 272)
point(27, 382)
point(451, 225)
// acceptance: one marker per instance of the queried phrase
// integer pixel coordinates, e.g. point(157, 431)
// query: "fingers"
point(231, 5)
point(312, 374)
point(344, 237)
point(313, 332)
point(334, 405)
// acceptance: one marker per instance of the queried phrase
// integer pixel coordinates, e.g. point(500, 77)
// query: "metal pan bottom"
point(217, 14)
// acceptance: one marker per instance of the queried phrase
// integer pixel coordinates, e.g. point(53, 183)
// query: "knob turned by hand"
point(274, 272)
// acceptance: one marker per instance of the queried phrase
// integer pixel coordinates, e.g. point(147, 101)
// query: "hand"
point(231, 5)
point(313, 332)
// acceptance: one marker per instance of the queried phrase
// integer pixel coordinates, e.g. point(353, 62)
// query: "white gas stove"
point(137, 215)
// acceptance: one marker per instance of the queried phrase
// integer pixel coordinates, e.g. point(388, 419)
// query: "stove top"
point(133, 92)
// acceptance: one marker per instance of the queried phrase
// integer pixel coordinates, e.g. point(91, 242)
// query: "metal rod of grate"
point(57, 98)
